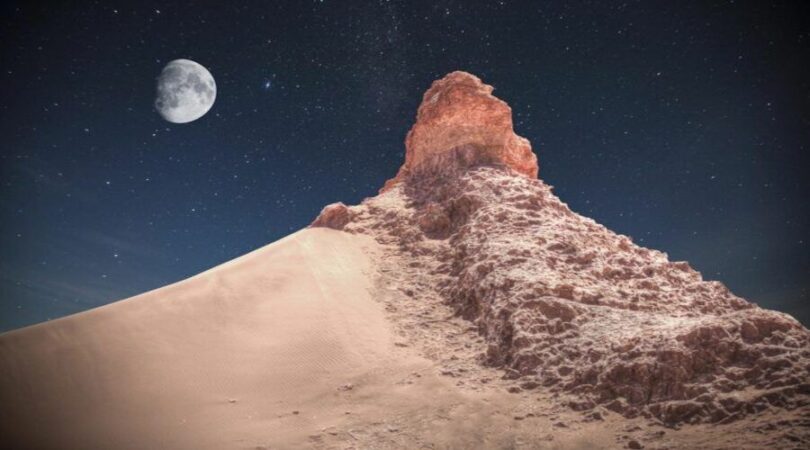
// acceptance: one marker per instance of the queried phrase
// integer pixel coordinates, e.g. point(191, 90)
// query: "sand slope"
point(321, 340)
point(205, 362)
point(286, 347)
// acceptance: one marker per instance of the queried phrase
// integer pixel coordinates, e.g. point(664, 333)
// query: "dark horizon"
point(684, 126)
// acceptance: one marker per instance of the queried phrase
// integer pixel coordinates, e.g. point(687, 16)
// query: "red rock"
point(335, 215)
point(460, 118)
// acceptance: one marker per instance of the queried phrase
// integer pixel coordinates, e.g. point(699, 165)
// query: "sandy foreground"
point(315, 341)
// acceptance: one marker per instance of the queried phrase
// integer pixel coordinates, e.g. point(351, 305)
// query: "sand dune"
point(286, 347)
point(206, 362)
point(315, 341)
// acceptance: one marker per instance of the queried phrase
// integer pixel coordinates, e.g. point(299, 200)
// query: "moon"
point(185, 91)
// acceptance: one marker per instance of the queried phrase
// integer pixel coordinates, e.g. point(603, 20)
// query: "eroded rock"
point(335, 215)
point(459, 124)
point(563, 302)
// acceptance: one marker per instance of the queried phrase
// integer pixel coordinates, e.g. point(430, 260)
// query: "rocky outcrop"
point(460, 119)
point(563, 302)
point(567, 304)
point(335, 215)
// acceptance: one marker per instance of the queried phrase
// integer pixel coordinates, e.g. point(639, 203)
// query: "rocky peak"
point(562, 303)
point(460, 123)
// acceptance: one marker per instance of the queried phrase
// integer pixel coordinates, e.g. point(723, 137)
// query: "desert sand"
point(316, 341)
point(282, 348)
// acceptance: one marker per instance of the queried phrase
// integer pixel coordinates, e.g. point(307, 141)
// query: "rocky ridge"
point(562, 302)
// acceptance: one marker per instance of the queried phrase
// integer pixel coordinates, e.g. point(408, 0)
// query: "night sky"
point(682, 124)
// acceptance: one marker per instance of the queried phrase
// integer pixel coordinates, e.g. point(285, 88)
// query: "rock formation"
point(335, 215)
point(460, 119)
point(562, 301)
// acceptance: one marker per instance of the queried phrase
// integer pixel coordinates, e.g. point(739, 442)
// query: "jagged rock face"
point(562, 301)
point(565, 303)
point(460, 112)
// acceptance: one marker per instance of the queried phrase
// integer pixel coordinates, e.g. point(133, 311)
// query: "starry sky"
point(682, 124)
